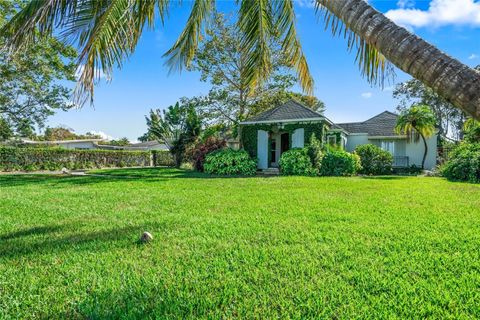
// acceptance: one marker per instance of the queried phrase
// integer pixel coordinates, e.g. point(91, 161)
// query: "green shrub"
point(162, 158)
point(374, 160)
point(28, 159)
point(315, 152)
point(296, 162)
point(464, 163)
point(230, 162)
point(340, 163)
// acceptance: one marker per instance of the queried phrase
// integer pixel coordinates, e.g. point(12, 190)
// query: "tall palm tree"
point(107, 32)
point(417, 122)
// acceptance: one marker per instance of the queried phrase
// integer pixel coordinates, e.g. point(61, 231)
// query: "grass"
point(289, 247)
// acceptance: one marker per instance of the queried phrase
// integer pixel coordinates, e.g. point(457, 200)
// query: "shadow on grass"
point(30, 232)
point(386, 177)
point(20, 243)
point(102, 176)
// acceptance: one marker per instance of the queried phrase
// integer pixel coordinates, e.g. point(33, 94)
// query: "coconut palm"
point(107, 32)
point(417, 122)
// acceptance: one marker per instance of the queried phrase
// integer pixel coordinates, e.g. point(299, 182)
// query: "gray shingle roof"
point(290, 110)
point(382, 124)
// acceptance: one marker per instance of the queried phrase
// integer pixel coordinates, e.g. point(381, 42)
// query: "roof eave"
point(284, 121)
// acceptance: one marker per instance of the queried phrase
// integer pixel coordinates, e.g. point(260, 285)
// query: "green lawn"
point(297, 247)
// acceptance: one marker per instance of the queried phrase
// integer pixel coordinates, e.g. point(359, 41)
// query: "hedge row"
point(30, 159)
point(162, 158)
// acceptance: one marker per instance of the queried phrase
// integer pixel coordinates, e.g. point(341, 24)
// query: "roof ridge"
point(304, 107)
point(383, 112)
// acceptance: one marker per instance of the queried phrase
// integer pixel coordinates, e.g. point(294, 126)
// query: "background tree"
point(177, 127)
point(449, 120)
point(119, 142)
point(61, 133)
point(222, 61)
point(472, 130)
point(30, 90)
point(417, 122)
point(5, 130)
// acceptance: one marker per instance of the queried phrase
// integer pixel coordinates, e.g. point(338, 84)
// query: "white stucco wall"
point(78, 145)
point(415, 153)
point(355, 140)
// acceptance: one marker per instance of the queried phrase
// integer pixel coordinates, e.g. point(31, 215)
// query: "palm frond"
point(372, 64)
point(285, 24)
point(183, 51)
point(257, 27)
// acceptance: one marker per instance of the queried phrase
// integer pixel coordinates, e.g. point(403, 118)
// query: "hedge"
point(162, 158)
point(29, 159)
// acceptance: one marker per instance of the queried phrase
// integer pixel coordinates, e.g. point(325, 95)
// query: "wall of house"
point(355, 140)
point(415, 153)
point(78, 145)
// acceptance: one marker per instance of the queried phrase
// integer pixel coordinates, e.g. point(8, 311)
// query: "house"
point(291, 125)
point(140, 146)
point(82, 144)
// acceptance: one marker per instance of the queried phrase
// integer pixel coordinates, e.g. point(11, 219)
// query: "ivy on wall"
point(249, 134)
point(338, 136)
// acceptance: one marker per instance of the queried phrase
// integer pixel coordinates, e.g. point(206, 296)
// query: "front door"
point(284, 143)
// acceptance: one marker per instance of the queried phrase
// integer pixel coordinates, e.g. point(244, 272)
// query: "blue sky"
point(144, 83)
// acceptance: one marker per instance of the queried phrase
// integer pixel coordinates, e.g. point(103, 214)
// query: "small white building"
point(82, 144)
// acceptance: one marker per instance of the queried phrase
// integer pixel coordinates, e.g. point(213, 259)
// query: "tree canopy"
point(30, 81)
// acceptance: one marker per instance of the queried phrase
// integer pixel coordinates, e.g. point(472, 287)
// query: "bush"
point(162, 158)
point(464, 163)
point(315, 152)
point(29, 159)
point(374, 160)
point(197, 153)
point(340, 163)
point(296, 162)
point(230, 162)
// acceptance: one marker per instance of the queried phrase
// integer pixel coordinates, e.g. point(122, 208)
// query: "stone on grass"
point(146, 237)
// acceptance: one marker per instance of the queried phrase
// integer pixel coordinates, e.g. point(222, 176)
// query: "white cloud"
point(102, 134)
point(440, 13)
point(367, 95)
point(473, 56)
point(388, 89)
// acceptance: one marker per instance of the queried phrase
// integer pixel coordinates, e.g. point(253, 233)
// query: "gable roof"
point(382, 124)
point(289, 111)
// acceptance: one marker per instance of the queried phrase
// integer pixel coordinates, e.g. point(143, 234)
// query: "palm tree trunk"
point(447, 76)
point(425, 151)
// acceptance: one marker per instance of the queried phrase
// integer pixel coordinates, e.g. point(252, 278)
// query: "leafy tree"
point(62, 133)
point(108, 31)
point(120, 142)
point(30, 88)
point(472, 130)
point(177, 127)
point(417, 122)
point(221, 61)
point(5, 130)
point(449, 118)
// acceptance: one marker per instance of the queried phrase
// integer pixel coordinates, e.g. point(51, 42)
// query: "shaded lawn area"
point(296, 247)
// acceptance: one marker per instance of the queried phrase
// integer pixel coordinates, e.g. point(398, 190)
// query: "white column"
point(262, 149)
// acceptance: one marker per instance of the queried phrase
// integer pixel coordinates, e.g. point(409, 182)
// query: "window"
point(332, 140)
point(388, 146)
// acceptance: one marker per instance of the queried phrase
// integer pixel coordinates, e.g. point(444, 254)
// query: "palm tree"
point(471, 128)
point(107, 32)
point(417, 122)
